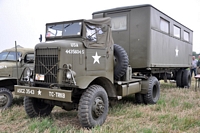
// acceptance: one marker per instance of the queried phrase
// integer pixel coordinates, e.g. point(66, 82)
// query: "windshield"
point(64, 29)
point(11, 56)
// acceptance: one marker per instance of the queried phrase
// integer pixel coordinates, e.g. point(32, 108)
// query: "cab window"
point(29, 58)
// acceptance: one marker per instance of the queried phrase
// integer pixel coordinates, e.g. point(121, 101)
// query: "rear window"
point(119, 23)
point(186, 36)
point(164, 25)
point(177, 31)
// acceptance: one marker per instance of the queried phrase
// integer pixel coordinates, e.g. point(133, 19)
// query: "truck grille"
point(46, 63)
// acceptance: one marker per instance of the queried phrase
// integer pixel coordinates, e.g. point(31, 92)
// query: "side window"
point(177, 31)
point(93, 31)
point(186, 36)
point(29, 58)
point(164, 25)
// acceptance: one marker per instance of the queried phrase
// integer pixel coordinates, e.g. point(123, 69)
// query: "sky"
point(24, 20)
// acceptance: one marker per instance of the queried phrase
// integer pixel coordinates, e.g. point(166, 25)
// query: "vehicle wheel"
point(186, 78)
point(179, 79)
point(93, 107)
point(36, 107)
point(139, 98)
point(153, 93)
point(6, 98)
point(120, 61)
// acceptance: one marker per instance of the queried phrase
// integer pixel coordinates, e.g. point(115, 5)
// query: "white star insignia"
point(176, 50)
point(96, 58)
point(39, 92)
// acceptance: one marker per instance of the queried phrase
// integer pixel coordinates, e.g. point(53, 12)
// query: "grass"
point(177, 111)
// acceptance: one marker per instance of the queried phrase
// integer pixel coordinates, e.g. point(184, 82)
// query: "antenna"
point(16, 61)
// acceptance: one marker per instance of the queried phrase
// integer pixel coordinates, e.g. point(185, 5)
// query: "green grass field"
point(178, 110)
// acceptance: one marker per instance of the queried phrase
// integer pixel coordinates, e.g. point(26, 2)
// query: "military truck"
point(8, 71)
point(79, 66)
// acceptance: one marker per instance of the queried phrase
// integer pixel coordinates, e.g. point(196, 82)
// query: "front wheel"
point(6, 98)
point(153, 93)
point(93, 107)
point(36, 107)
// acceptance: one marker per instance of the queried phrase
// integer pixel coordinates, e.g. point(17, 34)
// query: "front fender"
point(8, 82)
point(84, 81)
point(7, 78)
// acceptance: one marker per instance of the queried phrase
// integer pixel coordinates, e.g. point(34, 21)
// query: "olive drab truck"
point(80, 66)
point(8, 71)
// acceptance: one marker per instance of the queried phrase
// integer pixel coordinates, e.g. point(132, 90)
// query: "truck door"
point(120, 28)
point(28, 61)
point(96, 50)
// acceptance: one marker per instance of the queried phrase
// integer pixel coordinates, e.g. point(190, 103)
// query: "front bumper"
point(44, 93)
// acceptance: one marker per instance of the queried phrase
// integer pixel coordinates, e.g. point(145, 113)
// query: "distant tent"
point(18, 46)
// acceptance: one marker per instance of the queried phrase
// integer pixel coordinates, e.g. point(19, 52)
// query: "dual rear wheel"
point(153, 93)
point(183, 78)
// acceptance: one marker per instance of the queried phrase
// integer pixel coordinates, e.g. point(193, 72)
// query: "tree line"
point(195, 54)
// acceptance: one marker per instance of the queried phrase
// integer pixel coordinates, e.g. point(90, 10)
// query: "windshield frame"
point(64, 23)
point(12, 53)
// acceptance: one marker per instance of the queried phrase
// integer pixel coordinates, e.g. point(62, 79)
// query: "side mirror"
point(40, 38)
point(104, 28)
point(20, 59)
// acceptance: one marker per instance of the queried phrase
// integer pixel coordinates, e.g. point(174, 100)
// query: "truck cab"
point(84, 47)
point(12, 64)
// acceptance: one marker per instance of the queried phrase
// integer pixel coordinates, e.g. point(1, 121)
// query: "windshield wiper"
point(68, 25)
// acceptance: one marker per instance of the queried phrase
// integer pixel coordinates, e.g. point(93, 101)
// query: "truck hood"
point(60, 43)
point(7, 64)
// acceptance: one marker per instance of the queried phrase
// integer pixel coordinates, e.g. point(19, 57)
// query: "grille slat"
point(46, 62)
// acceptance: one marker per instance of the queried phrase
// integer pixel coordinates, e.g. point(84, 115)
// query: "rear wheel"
point(93, 107)
point(153, 93)
point(139, 98)
point(36, 107)
point(186, 78)
point(179, 78)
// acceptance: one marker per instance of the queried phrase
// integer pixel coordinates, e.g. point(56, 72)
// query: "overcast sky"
point(24, 20)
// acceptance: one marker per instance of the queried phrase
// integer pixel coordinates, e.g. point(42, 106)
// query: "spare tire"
point(120, 61)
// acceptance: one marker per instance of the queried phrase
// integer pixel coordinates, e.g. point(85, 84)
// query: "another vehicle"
point(80, 67)
point(156, 44)
point(8, 71)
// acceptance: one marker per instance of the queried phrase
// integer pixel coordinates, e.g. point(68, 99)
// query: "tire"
point(121, 62)
point(179, 79)
point(36, 107)
point(153, 93)
point(6, 98)
point(139, 98)
point(186, 78)
point(93, 107)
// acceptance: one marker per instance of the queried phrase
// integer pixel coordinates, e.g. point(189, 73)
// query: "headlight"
point(69, 75)
point(28, 72)
point(1, 67)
